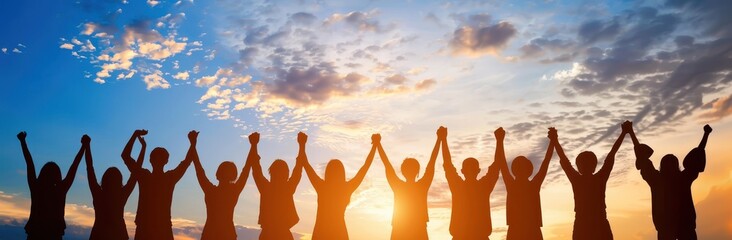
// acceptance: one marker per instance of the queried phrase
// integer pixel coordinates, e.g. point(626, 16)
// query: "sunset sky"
point(342, 70)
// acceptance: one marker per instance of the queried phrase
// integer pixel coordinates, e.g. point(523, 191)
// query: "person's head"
point(334, 171)
point(159, 157)
point(410, 168)
point(471, 168)
point(279, 171)
point(695, 160)
point(226, 172)
point(669, 164)
point(643, 151)
point(586, 163)
point(50, 174)
point(112, 179)
point(522, 167)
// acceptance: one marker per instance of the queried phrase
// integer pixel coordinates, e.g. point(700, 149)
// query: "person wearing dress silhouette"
point(410, 217)
point(48, 195)
point(470, 218)
point(523, 202)
point(672, 205)
point(110, 197)
point(277, 213)
point(590, 220)
point(221, 199)
point(334, 195)
point(156, 191)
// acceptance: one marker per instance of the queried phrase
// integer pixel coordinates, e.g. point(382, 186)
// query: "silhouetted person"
point(523, 202)
point(48, 196)
point(410, 217)
point(470, 218)
point(110, 198)
point(672, 205)
point(156, 191)
point(334, 194)
point(221, 199)
point(590, 221)
point(277, 213)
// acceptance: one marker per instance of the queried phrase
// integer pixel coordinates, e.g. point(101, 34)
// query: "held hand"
point(376, 138)
point(552, 135)
point(442, 132)
point(193, 137)
point(140, 132)
point(707, 129)
point(142, 141)
point(85, 139)
point(302, 138)
point(627, 126)
point(254, 138)
point(500, 133)
point(22, 135)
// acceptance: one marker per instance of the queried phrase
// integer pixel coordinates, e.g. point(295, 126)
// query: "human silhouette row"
point(672, 205)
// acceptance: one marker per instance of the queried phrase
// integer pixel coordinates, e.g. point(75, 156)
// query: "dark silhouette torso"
point(523, 210)
point(410, 217)
point(153, 209)
point(46, 220)
point(471, 208)
point(589, 196)
point(220, 203)
point(109, 220)
point(277, 206)
point(330, 221)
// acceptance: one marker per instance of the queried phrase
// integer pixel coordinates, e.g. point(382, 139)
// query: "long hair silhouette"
point(471, 210)
point(221, 199)
point(523, 202)
point(156, 190)
point(110, 197)
point(277, 213)
point(48, 195)
point(334, 195)
point(410, 217)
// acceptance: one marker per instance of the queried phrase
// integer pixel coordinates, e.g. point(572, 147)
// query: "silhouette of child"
point(156, 191)
point(589, 188)
point(221, 199)
point(410, 217)
point(471, 210)
point(672, 205)
point(48, 195)
point(277, 213)
point(334, 195)
point(523, 202)
point(110, 198)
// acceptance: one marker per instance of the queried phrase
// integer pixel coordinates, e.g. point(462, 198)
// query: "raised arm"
point(450, 171)
point(259, 178)
point(607, 166)
point(71, 174)
point(135, 168)
point(203, 181)
point(90, 175)
point(315, 180)
point(539, 178)
point(177, 172)
point(391, 175)
point(563, 160)
point(30, 166)
point(429, 172)
point(707, 131)
point(356, 180)
point(500, 157)
point(302, 157)
point(132, 180)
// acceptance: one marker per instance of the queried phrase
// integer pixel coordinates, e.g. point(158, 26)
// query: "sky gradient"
point(342, 70)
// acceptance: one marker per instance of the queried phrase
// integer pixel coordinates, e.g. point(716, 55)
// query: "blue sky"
point(343, 70)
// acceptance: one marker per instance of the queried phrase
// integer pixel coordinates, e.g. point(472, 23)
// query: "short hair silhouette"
point(590, 221)
point(470, 216)
point(156, 189)
point(334, 195)
point(226, 172)
point(48, 195)
point(277, 213)
point(410, 215)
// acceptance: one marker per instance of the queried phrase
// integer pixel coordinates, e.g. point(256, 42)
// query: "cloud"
point(714, 221)
point(68, 46)
point(718, 108)
point(181, 75)
point(313, 85)
point(155, 80)
point(361, 21)
point(478, 37)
